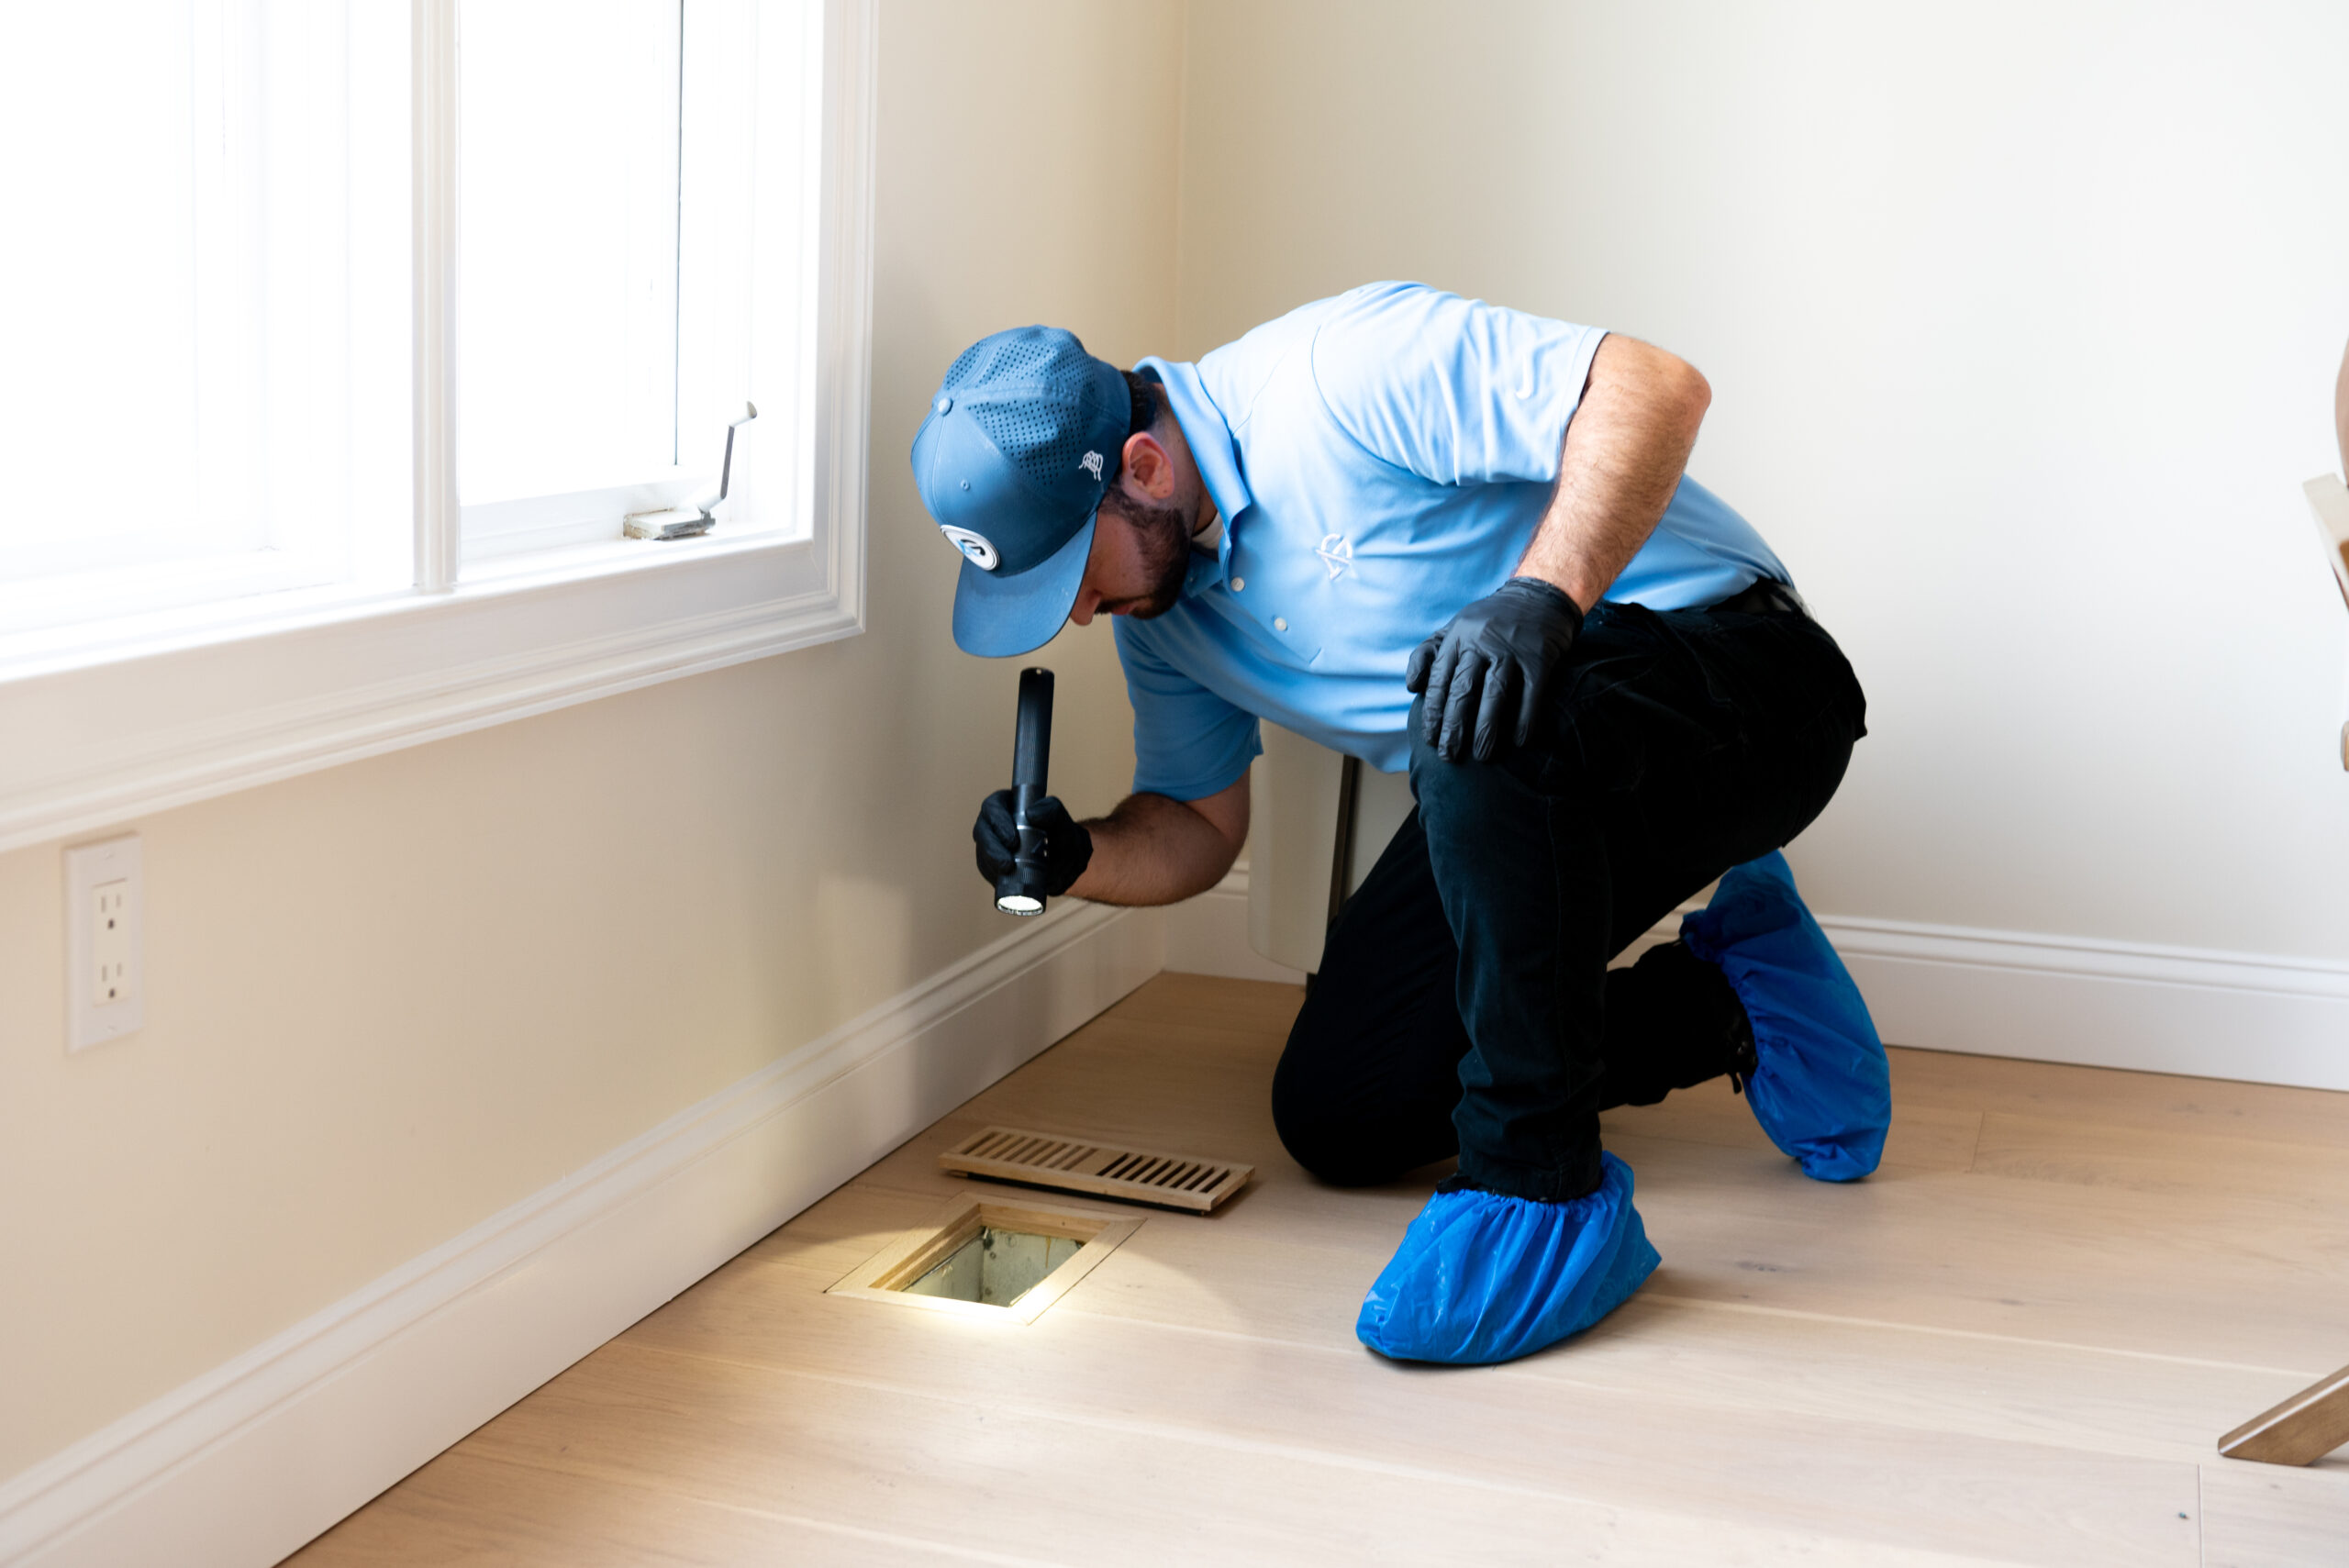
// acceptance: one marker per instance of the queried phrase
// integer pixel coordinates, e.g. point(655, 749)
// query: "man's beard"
point(1164, 534)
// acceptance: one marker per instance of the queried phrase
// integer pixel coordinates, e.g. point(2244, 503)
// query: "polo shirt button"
point(1279, 625)
point(1238, 583)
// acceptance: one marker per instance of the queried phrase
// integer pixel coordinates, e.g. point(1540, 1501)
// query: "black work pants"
point(1465, 1004)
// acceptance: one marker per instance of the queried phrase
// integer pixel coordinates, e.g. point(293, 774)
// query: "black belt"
point(1764, 597)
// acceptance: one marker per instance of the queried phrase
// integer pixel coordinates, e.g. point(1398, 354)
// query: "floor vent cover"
point(1077, 1165)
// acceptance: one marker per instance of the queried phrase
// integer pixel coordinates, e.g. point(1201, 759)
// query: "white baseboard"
point(2198, 1012)
point(2104, 1003)
point(241, 1466)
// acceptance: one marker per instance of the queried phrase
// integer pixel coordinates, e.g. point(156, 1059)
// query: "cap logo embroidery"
point(976, 546)
point(1091, 463)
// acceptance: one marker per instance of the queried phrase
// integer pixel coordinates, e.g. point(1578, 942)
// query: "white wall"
point(2021, 321)
point(390, 999)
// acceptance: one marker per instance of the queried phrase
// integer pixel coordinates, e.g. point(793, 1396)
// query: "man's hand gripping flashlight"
point(1029, 847)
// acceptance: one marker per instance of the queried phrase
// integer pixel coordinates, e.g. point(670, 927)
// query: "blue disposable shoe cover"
point(1481, 1277)
point(1820, 1088)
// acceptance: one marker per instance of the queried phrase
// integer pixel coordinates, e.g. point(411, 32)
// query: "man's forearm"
point(1625, 450)
point(1155, 850)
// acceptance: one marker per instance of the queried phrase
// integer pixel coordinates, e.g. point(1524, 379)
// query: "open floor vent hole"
point(996, 1267)
point(998, 1260)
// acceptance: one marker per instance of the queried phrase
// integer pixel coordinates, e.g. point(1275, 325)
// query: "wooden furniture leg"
point(2300, 1431)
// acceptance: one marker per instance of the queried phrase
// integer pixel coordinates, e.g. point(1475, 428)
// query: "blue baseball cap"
point(1021, 442)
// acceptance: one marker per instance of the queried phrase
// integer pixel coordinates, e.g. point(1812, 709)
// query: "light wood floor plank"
point(2266, 1516)
point(1988, 1385)
point(2163, 1273)
point(1925, 1137)
point(2273, 1178)
point(1123, 1488)
point(468, 1510)
point(1663, 1445)
point(2153, 1102)
point(2097, 1265)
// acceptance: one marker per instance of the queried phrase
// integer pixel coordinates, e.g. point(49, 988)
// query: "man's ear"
point(1149, 466)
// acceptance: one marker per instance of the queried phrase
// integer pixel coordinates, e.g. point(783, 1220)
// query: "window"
point(354, 331)
point(183, 293)
point(603, 271)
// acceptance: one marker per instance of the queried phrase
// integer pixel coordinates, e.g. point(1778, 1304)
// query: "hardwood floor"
point(2017, 1342)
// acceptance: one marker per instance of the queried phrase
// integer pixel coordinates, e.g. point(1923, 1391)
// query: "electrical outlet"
point(106, 992)
point(110, 942)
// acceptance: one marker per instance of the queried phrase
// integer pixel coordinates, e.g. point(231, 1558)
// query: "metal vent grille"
point(1074, 1165)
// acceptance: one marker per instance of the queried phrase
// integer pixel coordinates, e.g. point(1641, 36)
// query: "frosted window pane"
point(97, 409)
point(567, 302)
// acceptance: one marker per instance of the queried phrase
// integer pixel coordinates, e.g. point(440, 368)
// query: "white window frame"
point(104, 723)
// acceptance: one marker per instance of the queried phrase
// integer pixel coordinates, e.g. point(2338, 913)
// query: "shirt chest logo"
point(1336, 554)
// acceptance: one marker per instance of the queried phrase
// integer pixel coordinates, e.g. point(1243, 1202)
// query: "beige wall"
point(389, 999)
point(2021, 318)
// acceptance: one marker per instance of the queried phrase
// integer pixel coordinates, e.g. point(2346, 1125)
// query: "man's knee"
point(1334, 1150)
point(1341, 1135)
point(1453, 796)
point(1315, 1137)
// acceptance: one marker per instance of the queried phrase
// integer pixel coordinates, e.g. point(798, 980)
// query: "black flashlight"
point(1020, 890)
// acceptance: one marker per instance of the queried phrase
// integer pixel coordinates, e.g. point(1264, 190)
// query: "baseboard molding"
point(2203, 1013)
point(243, 1465)
point(2198, 1012)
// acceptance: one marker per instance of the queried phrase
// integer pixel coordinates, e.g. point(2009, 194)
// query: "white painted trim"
point(242, 1465)
point(2196, 1011)
point(843, 375)
point(200, 704)
point(432, 240)
point(2084, 957)
point(203, 722)
point(2102, 1003)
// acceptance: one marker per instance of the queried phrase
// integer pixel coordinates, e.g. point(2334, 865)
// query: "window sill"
point(189, 708)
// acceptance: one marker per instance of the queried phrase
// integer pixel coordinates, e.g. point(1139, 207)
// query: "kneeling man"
point(1436, 534)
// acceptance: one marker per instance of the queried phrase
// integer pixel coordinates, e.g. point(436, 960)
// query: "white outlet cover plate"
point(89, 867)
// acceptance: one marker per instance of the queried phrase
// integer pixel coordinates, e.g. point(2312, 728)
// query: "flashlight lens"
point(1019, 904)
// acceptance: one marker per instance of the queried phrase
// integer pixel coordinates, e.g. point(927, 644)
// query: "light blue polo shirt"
point(1380, 459)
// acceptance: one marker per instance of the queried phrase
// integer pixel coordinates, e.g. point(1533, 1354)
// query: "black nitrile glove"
point(1068, 848)
point(1496, 655)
